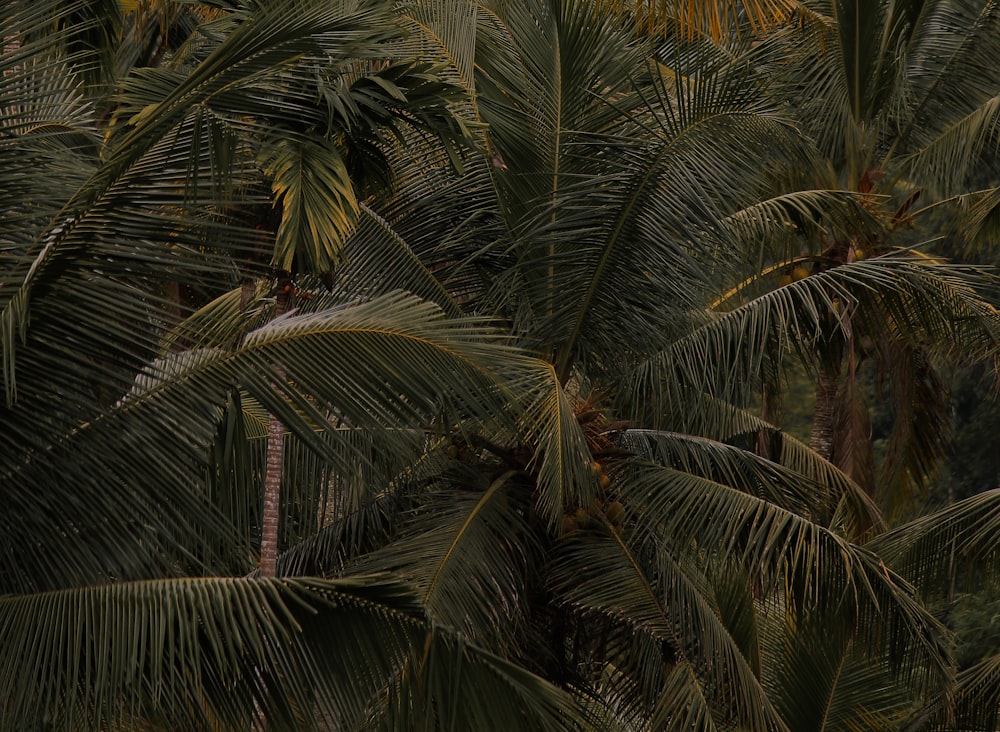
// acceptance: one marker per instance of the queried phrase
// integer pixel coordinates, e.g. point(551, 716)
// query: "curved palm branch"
point(821, 680)
point(947, 161)
point(662, 594)
point(916, 300)
point(223, 652)
point(948, 546)
point(465, 553)
point(735, 467)
point(777, 546)
point(973, 704)
point(856, 514)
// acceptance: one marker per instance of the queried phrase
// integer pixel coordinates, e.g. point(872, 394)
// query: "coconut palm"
point(611, 204)
point(522, 494)
point(131, 196)
point(892, 94)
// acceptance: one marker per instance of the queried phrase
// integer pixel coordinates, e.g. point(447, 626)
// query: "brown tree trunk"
point(824, 418)
point(273, 466)
point(272, 497)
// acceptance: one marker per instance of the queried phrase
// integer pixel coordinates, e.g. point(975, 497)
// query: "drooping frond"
point(657, 589)
point(776, 546)
point(381, 257)
point(392, 365)
point(954, 154)
point(562, 458)
point(977, 694)
point(953, 110)
point(955, 544)
point(856, 512)
point(920, 301)
point(319, 208)
point(683, 704)
point(978, 217)
point(820, 677)
point(973, 703)
point(224, 653)
point(464, 552)
point(735, 467)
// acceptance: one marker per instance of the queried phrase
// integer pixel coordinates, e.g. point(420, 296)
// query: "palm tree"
point(524, 496)
point(145, 419)
point(613, 202)
point(889, 93)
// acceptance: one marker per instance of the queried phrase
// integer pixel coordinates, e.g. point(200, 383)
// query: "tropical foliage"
point(885, 90)
point(483, 304)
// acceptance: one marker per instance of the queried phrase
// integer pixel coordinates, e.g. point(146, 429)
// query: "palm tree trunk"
point(273, 466)
point(272, 497)
point(827, 382)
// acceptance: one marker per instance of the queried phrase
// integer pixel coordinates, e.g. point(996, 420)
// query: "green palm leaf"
point(775, 546)
point(856, 512)
point(318, 203)
point(670, 601)
point(823, 681)
point(932, 551)
point(216, 651)
point(921, 301)
point(734, 467)
point(948, 160)
point(462, 553)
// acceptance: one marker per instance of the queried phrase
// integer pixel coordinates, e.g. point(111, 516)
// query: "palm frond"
point(683, 704)
point(405, 366)
point(619, 234)
point(947, 161)
point(462, 552)
point(399, 358)
point(602, 571)
point(319, 208)
point(772, 230)
point(951, 545)
point(977, 217)
point(450, 27)
point(949, 102)
point(777, 546)
point(302, 653)
point(894, 289)
point(735, 467)
point(382, 257)
point(562, 458)
point(820, 679)
point(856, 512)
point(973, 703)
point(978, 695)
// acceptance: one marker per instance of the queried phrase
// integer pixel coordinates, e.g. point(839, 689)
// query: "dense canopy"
point(419, 365)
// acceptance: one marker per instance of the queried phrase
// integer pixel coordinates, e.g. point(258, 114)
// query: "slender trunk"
point(272, 498)
point(273, 468)
point(827, 381)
